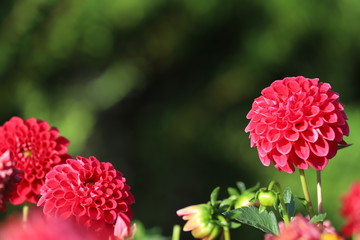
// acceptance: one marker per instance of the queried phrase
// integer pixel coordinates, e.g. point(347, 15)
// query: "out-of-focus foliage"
point(161, 88)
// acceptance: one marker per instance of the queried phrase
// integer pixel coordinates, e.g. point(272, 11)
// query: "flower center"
point(26, 152)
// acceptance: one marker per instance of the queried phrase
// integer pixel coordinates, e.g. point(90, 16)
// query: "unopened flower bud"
point(200, 221)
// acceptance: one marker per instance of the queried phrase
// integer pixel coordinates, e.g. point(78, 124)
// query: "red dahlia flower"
point(36, 148)
point(38, 228)
point(297, 121)
point(92, 193)
point(8, 178)
point(351, 211)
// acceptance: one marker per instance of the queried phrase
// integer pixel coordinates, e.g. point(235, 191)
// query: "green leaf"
point(289, 202)
point(265, 221)
point(343, 146)
point(233, 191)
point(241, 186)
point(214, 195)
point(318, 218)
point(234, 225)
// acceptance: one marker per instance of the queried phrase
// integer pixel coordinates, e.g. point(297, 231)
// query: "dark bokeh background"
point(161, 88)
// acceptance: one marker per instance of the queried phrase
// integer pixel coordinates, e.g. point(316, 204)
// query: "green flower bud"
point(244, 200)
point(267, 198)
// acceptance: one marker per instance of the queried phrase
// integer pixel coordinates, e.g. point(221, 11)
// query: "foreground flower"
point(297, 121)
point(301, 228)
point(36, 148)
point(8, 178)
point(92, 193)
point(199, 221)
point(38, 228)
point(351, 211)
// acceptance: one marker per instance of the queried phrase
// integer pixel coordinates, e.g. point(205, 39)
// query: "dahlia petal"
point(324, 87)
point(300, 126)
point(60, 202)
point(312, 111)
point(333, 147)
point(265, 160)
point(251, 126)
point(318, 163)
point(310, 135)
point(94, 213)
point(295, 117)
point(302, 149)
point(48, 207)
point(299, 163)
point(284, 146)
point(110, 204)
point(53, 184)
point(293, 86)
point(78, 210)
point(269, 93)
point(64, 212)
point(291, 135)
point(69, 196)
point(273, 135)
point(345, 129)
point(23, 188)
point(327, 132)
point(59, 193)
point(260, 128)
point(288, 168)
point(338, 134)
point(327, 107)
point(280, 159)
point(331, 117)
point(320, 148)
point(281, 90)
point(316, 122)
point(110, 216)
point(266, 145)
point(100, 202)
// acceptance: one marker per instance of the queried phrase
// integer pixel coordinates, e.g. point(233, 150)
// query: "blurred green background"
point(161, 88)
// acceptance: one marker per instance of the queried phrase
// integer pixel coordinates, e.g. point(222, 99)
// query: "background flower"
point(351, 210)
point(91, 192)
point(8, 178)
point(301, 228)
point(297, 121)
point(39, 228)
point(36, 148)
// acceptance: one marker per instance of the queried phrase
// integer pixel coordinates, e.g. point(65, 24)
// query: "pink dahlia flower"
point(297, 121)
point(301, 228)
point(39, 228)
point(92, 193)
point(351, 211)
point(36, 148)
point(8, 178)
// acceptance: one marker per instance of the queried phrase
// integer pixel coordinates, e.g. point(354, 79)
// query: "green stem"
point(319, 192)
point(306, 192)
point(284, 212)
point(226, 231)
point(25, 212)
point(176, 232)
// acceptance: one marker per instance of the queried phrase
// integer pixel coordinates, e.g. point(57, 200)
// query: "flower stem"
point(226, 231)
point(306, 192)
point(319, 193)
point(176, 232)
point(25, 212)
point(282, 202)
